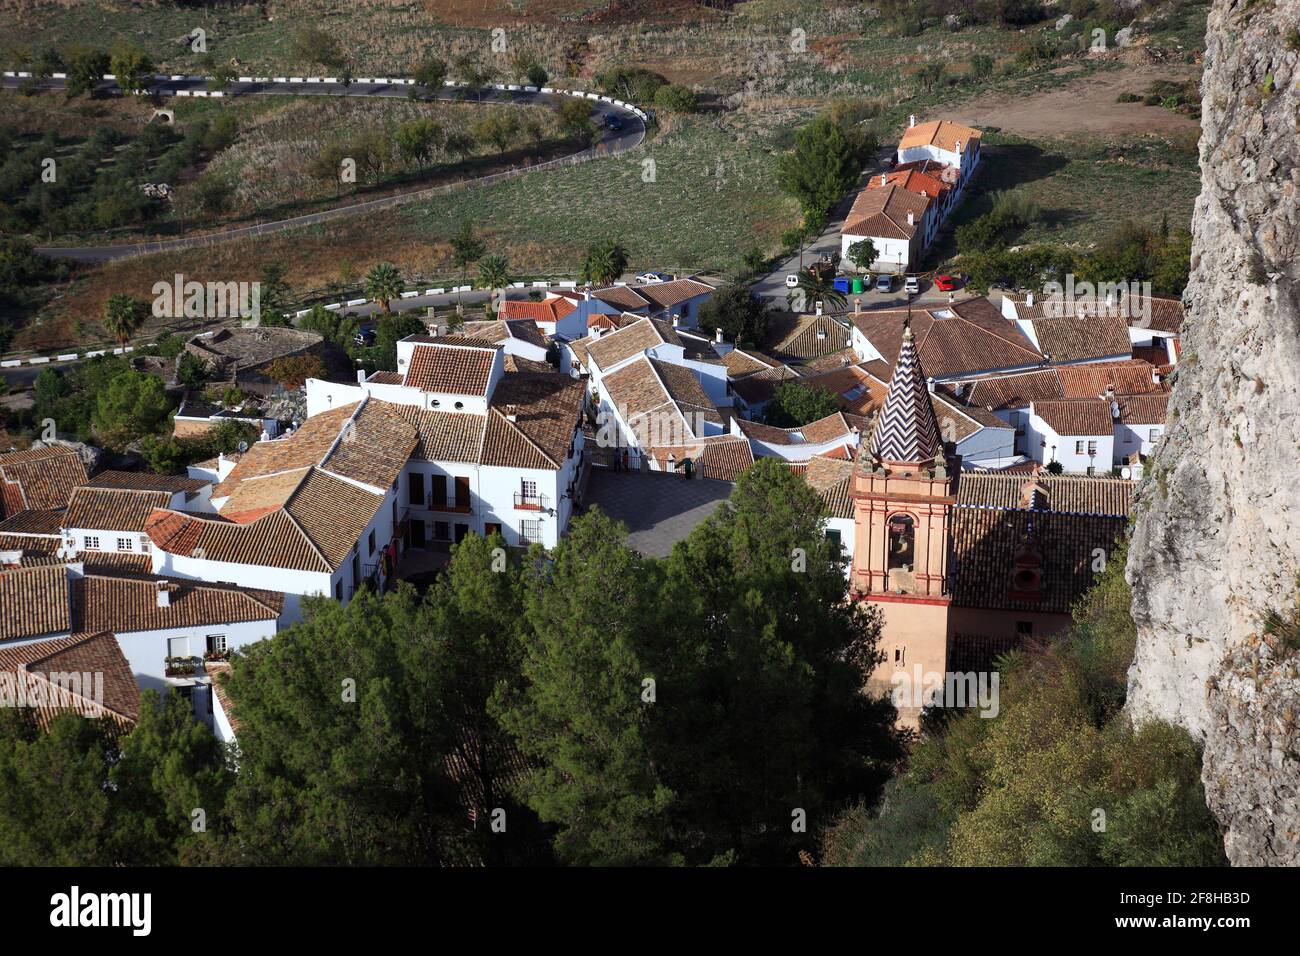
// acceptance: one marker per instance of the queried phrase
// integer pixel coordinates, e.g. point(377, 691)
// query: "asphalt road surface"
point(611, 143)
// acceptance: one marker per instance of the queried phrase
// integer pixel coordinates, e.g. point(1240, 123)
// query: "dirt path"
point(1086, 104)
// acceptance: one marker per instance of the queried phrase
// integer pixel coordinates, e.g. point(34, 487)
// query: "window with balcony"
point(527, 497)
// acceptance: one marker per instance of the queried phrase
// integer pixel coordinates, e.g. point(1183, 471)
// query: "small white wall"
point(1043, 439)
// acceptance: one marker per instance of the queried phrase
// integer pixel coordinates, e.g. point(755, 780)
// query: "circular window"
point(434, 403)
point(459, 406)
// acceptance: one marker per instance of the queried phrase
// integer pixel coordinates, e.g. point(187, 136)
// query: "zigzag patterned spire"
point(905, 429)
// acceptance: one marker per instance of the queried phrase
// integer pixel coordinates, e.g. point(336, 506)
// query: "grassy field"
point(713, 195)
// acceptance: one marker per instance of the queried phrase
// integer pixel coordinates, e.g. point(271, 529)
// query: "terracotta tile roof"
point(259, 494)
point(883, 213)
point(525, 330)
point(1091, 379)
point(943, 172)
point(1165, 314)
point(113, 509)
point(314, 530)
point(1028, 543)
point(622, 297)
point(855, 389)
point(740, 363)
point(964, 421)
point(961, 339)
point(1109, 497)
point(759, 387)
point(45, 667)
point(813, 336)
point(455, 365)
point(220, 673)
point(46, 521)
point(35, 602)
point(147, 481)
point(646, 386)
point(942, 134)
point(40, 478)
point(515, 363)
point(1143, 409)
point(444, 436)
point(548, 310)
point(831, 428)
point(547, 408)
point(305, 447)
point(125, 603)
point(373, 446)
point(1074, 340)
point(832, 479)
point(723, 457)
point(385, 377)
point(1015, 390)
point(835, 360)
point(913, 180)
point(614, 347)
point(665, 295)
point(1076, 416)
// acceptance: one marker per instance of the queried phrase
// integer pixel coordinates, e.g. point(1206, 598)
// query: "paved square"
point(659, 509)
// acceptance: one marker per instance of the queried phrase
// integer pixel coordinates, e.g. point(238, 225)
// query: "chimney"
point(164, 595)
point(1155, 375)
point(1029, 300)
point(717, 335)
point(883, 179)
point(911, 218)
point(361, 376)
point(819, 306)
point(911, 121)
point(512, 413)
point(677, 321)
point(929, 385)
point(586, 294)
point(959, 148)
point(857, 305)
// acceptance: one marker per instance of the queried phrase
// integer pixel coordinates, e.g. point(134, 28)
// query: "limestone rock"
point(1217, 540)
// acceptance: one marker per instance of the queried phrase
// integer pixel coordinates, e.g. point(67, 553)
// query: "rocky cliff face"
point(1217, 541)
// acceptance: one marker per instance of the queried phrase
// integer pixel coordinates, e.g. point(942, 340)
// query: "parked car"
point(791, 281)
point(945, 283)
point(613, 122)
point(364, 337)
point(911, 285)
point(647, 277)
point(885, 283)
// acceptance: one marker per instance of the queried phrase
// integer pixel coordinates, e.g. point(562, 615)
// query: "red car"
point(945, 283)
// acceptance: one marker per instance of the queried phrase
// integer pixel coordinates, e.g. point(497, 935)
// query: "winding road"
point(611, 143)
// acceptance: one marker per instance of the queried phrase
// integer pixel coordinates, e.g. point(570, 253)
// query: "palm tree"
point(605, 262)
point(816, 287)
point(384, 284)
point(494, 271)
point(123, 317)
